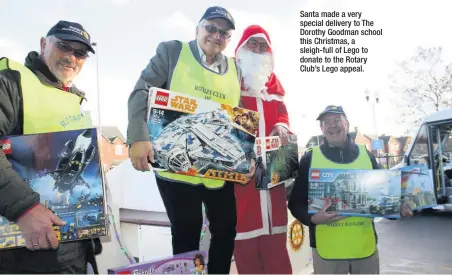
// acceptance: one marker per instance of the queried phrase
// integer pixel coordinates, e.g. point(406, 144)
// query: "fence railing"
point(387, 162)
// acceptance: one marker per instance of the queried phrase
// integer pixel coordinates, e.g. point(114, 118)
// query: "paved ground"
point(422, 244)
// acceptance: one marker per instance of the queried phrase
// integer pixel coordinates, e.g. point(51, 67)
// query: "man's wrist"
point(28, 210)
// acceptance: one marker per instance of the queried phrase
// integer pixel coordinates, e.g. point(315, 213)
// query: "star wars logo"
point(184, 104)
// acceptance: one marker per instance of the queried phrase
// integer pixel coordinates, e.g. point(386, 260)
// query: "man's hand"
point(324, 217)
point(282, 132)
point(140, 152)
point(405, 211)
point(37, 228)
point(250, 174)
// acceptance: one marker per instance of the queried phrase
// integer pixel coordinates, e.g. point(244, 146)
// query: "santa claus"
point(260, 245)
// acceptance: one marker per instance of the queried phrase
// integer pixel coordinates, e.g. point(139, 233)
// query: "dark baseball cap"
point(71, 31)
point(332, 109)
point(219, 12)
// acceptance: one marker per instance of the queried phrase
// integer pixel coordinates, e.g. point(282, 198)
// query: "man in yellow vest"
point(39, 97)
point(337, 249)
point(197, 68)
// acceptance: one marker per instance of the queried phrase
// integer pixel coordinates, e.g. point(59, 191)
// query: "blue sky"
point(128, 32)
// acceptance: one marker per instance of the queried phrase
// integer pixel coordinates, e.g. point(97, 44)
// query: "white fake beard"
point(256, 69)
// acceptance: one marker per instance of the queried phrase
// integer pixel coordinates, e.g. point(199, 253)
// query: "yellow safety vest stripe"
point(46, 109)
point(352, 237)
point(191, 78)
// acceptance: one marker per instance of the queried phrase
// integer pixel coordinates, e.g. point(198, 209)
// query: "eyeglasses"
point(336, 121)
point(213, 29)
point(64, 47)
point(255, 44)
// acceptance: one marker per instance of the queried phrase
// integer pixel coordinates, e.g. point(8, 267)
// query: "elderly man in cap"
point(37, 97)
point(337, 249)
point(195, 68)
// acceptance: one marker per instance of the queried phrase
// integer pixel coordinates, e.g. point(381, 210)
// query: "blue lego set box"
point(417, 187)
point(64, 168)
point(199, 137)
point(365, 193)
point(193, 262)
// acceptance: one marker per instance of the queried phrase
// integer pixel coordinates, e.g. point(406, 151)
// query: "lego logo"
point(161, 98)
point(315, 174)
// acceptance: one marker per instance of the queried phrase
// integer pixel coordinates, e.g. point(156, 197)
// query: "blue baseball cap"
point(332, 109)
point(219, 12)
point(71, 31)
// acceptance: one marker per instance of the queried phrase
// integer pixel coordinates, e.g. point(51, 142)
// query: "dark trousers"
point(183, 203)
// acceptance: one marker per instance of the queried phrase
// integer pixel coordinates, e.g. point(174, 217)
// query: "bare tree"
point(423, 84)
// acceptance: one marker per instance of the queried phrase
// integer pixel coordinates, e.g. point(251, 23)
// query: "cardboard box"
point(178, 264)
point(64, 168)
point(277, 162)
point(418, 187)
point(366, 193)
point(198, 137)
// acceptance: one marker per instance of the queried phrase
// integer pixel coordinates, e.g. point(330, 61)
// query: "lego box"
point(198, 137)
point(365, 193)
point(64, 169)
point(417, 187)
point(194, 262)
point(277, 161)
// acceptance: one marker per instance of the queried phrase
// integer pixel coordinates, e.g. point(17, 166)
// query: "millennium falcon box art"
point(64, 168)
point(277, 161)
point(355, 192)
point(199, 137)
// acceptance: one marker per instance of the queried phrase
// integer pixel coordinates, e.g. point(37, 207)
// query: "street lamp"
point(99, 131)
point(373, 100)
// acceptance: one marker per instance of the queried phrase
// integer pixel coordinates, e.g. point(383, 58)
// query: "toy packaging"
point(194, 262)
point(417, 187)
point(199, 137)
point(277, 163)
point(366, 193)
point(64, 168)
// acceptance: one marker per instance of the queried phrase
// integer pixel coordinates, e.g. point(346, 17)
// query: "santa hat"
point(274, 87)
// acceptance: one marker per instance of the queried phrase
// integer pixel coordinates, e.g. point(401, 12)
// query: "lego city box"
point(364, 193)
point(64, 168)
point(193, 262)
point(199, 137)
point(417, 187)
point(277, 161)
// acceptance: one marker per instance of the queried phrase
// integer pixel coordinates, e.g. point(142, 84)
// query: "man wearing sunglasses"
point(39, 97)
point(197, 68)
point(337, 249)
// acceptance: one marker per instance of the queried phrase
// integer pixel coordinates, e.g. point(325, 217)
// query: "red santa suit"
point(260, 246)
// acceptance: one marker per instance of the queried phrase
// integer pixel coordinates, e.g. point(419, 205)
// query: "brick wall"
point(113, 153)
point(361, 139)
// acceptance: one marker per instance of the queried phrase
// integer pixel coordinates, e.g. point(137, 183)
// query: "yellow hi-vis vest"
point(46, 109)
point(193, 79)
point(352, 237)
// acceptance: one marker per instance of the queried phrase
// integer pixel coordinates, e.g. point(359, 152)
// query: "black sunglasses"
point(213, 29)
point(67, 48)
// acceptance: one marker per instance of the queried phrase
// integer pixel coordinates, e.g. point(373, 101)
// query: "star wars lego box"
point(417, 187)
point(277, 161)
point(64, 168)
point(365, 193)
point(199, 137)
point(194, 262)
